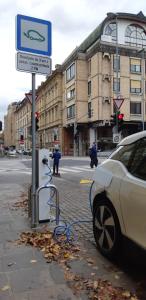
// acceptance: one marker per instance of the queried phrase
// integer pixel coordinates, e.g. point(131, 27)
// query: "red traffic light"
point(120, 116)
point(37, 114)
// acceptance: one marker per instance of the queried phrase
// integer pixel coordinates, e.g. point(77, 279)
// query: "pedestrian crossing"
point(62, 170)
point(74, 169)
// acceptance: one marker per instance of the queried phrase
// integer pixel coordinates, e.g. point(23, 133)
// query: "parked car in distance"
point(118, 194)
point(27, 152)
point(19, 151)
point(12, 152)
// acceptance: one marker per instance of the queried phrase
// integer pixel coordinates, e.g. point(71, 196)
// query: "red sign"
point(29, 97)
point(56, 142)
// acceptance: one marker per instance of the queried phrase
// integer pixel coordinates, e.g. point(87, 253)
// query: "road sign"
point(116, 138)
point(118, 101)
point(29, 97)
point(31, 63)
point(33, 35)
point(21, 142)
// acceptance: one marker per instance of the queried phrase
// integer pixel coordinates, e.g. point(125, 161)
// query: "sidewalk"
point(24, 274)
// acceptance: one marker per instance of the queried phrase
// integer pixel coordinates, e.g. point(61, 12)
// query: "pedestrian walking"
point(93, 155)
point(56, 157)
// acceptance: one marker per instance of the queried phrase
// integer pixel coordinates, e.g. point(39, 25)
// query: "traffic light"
point(114, 119)
point(120, 121)
point(36, 121)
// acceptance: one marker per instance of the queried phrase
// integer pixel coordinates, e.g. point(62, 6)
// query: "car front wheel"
point(106, 228)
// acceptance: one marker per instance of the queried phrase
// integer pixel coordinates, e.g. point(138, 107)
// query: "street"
point(74, 206)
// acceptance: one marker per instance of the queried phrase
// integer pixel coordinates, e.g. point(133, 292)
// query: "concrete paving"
point(19, 278)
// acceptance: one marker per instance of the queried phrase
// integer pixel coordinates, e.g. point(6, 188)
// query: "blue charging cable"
point(66, 229)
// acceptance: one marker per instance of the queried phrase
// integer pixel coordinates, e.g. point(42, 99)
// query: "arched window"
point(111, 29)
point(135, 36)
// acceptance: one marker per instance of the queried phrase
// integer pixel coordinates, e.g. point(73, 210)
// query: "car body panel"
point(133, 204)
point(111, 167)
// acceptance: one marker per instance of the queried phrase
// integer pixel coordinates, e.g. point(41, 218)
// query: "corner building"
point(110, 63)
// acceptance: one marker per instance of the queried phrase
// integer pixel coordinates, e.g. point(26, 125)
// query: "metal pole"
point(143, 88)
point(33, 216)
point(117, 67)
point(75, 130)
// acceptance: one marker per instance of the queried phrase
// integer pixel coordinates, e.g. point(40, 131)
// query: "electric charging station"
point(42, 179)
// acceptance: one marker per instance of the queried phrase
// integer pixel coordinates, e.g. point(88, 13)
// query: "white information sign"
point(33, 63)
point(116, 138)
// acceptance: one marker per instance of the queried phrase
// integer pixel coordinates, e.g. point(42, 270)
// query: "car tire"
point(106, 228)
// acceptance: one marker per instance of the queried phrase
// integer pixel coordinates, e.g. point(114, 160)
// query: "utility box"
point(41, 180)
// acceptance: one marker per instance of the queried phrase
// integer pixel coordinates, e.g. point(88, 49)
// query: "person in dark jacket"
point(56, 157)
point(93, 156)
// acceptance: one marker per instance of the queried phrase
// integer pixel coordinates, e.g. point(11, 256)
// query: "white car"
point(12, 152)
point(118, 196)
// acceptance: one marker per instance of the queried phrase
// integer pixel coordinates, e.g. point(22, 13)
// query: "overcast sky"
point(72, 21)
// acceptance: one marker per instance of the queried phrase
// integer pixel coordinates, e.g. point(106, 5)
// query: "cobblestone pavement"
point(74, 205)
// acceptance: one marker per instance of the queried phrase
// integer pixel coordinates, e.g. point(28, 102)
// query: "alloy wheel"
point(105, 228)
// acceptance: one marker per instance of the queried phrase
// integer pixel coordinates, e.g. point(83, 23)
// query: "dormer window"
point(111, 30)
point(135, 36)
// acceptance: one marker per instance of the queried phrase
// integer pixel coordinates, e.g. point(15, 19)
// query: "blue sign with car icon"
point(33, 35)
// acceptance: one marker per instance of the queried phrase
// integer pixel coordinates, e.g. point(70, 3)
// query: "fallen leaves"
point(5, 288)
point(51, 250)
point(21, 204)
point(99, 289)
point(95, 288)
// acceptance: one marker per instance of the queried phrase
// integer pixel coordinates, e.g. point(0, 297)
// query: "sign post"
point(33, 36)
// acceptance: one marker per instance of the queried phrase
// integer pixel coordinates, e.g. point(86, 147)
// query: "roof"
point(98, 31)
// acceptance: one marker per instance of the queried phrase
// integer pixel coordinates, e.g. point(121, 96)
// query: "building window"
point(89, 88)
point(135, 86)
point(70, 94)
point(89, 110)
point(115, 62)
point(135, 65)
point(116, 85)
point(70, 72)
point(89, 66)
point(135, 36)
point(135, 108)
point(71, 111)
point(111, 29)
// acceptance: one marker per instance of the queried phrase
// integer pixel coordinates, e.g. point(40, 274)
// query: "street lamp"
point(143, 85)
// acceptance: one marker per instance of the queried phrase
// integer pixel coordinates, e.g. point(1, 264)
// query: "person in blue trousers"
point(93, 156)
point(56, 157)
